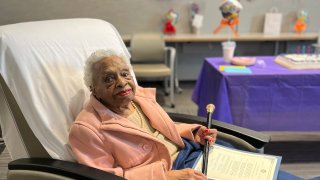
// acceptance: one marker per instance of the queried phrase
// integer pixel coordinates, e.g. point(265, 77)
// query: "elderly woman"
point(124, 130)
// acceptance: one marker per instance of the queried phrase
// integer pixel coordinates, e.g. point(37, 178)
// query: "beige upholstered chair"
point(152, 59)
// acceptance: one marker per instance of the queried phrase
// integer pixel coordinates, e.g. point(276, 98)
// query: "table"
point(187, 38)
point(243, 37)
point(269, 99)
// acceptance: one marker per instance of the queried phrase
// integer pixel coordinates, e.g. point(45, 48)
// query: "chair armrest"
point(256, 139)
point(64, 168)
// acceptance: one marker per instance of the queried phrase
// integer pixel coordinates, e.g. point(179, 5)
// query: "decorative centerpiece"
point(301, 22)
point(172, 18)
point(196, 18)
point(230, 12)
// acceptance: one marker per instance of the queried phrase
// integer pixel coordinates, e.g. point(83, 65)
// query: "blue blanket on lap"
point(188, 156)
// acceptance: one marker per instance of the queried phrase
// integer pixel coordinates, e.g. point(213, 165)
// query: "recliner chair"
point(42, 91)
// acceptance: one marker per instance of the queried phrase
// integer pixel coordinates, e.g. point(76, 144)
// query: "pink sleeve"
point(90, 150)
point(155, 171)
point(185, 130)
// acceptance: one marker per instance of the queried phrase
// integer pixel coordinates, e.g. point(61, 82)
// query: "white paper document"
point(226, 163)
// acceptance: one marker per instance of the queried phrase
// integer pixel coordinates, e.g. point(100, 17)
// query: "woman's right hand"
point(187, 174)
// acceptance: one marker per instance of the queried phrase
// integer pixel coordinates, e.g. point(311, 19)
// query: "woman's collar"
point(102, 110)
point(146, 92)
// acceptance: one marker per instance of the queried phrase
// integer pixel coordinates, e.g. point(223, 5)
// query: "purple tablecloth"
point(273, 98)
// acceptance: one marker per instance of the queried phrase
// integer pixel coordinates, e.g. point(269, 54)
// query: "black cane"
point(206, 148)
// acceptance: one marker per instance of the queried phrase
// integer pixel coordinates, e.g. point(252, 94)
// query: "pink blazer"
point(107, 141)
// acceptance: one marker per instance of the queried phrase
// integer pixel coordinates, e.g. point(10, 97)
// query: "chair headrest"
point(42, 64)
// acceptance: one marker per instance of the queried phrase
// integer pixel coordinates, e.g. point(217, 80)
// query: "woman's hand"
point(187, 174)
point(206, 134)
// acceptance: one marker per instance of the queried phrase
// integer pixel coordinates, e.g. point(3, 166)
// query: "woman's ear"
point(92, 90)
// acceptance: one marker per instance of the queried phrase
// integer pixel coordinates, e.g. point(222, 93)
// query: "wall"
point(130, 16)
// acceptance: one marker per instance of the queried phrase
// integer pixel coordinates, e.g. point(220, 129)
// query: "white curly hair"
point(97, 56)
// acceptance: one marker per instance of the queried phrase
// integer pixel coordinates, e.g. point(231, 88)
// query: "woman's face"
point(113, 84)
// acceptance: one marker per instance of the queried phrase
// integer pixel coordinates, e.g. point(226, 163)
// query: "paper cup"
point(228, 48)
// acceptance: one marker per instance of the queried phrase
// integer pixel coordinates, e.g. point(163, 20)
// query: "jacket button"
point(147, 147)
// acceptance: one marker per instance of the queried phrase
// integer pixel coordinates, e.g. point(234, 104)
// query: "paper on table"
point(221, 68)
point(238, 70)
point(226, 163)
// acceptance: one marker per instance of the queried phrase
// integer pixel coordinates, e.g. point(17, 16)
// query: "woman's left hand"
point(206, 134)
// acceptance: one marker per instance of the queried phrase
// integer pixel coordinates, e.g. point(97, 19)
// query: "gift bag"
point(272, 22)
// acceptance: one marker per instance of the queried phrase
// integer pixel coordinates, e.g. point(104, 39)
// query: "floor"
point(299, 150)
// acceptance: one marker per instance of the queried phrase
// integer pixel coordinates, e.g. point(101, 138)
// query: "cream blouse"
point(141, 120)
